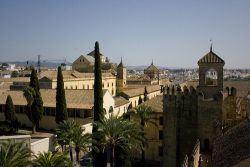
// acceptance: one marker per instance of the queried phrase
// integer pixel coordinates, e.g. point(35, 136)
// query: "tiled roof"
point(232, 147)
point(155, 103)
point(90, 59)
point(140, 91)
point(211, 57)
point(16, 79)
point(119, 101)
point(71, 74)
point(82, 99)
point(152, 68)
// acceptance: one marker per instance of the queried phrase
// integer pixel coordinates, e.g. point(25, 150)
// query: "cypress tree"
point(34, 83)
point(36, 111)
point(98, 157)
point(61, 106)
point(9, 113)
point(145, 94)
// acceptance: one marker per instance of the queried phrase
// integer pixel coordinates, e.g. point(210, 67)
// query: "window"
point(112, 84)
point(211, 77)
point(161, 120)
point(1, 108)
point(160, 134)
point(71, 87)
point(103, 85)
point(83, 86)
point(76, 87)
point(160, 151)
point(87, 86)
point(108, 85)
point(77, 113)
point(66, 87)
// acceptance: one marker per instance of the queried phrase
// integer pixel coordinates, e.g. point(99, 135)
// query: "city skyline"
point(173, 34)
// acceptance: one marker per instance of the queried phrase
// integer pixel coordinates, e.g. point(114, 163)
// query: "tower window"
point(211, 77)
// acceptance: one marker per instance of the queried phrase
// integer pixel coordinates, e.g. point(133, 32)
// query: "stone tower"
point(193, 115)
point(210, 100)
point(121, 78)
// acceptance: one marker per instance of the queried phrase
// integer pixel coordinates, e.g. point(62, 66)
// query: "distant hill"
point(43, 64)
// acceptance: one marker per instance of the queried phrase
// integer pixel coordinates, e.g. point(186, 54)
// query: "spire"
point(121, 64)
point(211, 45)
point(152, 62)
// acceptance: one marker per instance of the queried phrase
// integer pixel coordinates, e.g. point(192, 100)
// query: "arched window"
point(211, 77)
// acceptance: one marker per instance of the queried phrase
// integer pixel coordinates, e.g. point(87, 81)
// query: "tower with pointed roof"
point(193, 117)
point(152, 71)
point(121, 78)
point(210, 103)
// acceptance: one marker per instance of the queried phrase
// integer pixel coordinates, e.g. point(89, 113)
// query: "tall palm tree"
point(146, 116)
point(118, 132)
point(14, 154)
point(81, 140)
point(50, 159)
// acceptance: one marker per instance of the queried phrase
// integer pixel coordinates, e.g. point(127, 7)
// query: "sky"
point(172, 33)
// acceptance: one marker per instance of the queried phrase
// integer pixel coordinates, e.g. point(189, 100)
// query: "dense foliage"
point(61, 107)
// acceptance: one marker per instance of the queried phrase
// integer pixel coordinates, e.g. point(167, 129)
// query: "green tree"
point(98, 157)
point(80, 140)
point(34, 106)
point(34, 83)
point(29, 94)
point(64, 134)
point(50, 159)
point(61, 107)
point(14, 154)
point(14, 74)
point(10, 115)
point(119, 133)
point(146, 115)
point(145, 94)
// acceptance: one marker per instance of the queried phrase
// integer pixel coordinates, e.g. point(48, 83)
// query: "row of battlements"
point(176, 90)
point(185, 92)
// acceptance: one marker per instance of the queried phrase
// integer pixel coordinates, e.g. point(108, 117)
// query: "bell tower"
point(121, 78)
point(210, 98)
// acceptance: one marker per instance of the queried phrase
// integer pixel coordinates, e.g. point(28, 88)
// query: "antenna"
point(39, 64)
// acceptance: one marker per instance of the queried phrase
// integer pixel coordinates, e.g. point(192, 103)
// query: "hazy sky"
point(173, 33)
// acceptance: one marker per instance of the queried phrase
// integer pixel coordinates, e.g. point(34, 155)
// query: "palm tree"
point(14, 154)
point(119, 133)
point(50, 159)
point(80, 140)
point(146, 116)
point(72, 134)
point(64, 135)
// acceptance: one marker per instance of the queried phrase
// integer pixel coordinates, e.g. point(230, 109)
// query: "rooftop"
point(140, 91)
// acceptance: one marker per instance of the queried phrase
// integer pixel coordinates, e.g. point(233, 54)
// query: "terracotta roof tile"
point(211, 57)
point(82, 99)
point(119, 101)
point(155, 103)
point(140, 91)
